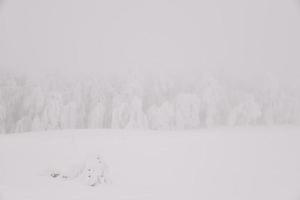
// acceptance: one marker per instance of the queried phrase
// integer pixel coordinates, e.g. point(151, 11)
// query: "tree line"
point(135, 101)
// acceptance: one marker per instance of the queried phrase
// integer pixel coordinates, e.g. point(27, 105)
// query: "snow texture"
point(229, 164)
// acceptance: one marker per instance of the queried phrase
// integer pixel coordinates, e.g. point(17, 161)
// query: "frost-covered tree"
point(282, 108)
point(211, 97)
point(162, 117)
point(2, 118)
point(120, 113)
point(96, 116)
point(127, 107)
point(245, 113)
point(37, 124)
point(187, 108)
point(68, 116)
point(137, 118)
point(23, 125)
point(132, 100)
point(279, 104)
point(52, 113)
point(34, 101)
point(128, 114)
point(80, 97)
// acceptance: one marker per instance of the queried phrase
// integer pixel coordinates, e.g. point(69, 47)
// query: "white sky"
point(238, 37)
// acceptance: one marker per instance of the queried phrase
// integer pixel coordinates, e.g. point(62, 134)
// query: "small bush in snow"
point(93, 172)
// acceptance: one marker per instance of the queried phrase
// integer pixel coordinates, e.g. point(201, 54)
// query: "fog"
point(241, 39)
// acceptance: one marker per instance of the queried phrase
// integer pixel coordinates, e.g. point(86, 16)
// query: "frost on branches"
point(141, 101)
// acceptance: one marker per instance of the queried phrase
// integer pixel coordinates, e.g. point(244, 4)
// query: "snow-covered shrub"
point(92, 172)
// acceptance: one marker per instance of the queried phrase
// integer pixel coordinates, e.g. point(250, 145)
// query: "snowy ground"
point(227, 164)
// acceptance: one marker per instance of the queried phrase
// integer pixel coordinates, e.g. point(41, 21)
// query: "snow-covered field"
point(215, 164)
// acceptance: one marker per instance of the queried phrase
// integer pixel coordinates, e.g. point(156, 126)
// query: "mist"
point(149, 99)
point(238, 39)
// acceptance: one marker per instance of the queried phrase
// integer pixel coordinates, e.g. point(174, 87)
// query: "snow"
point(211, 164)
